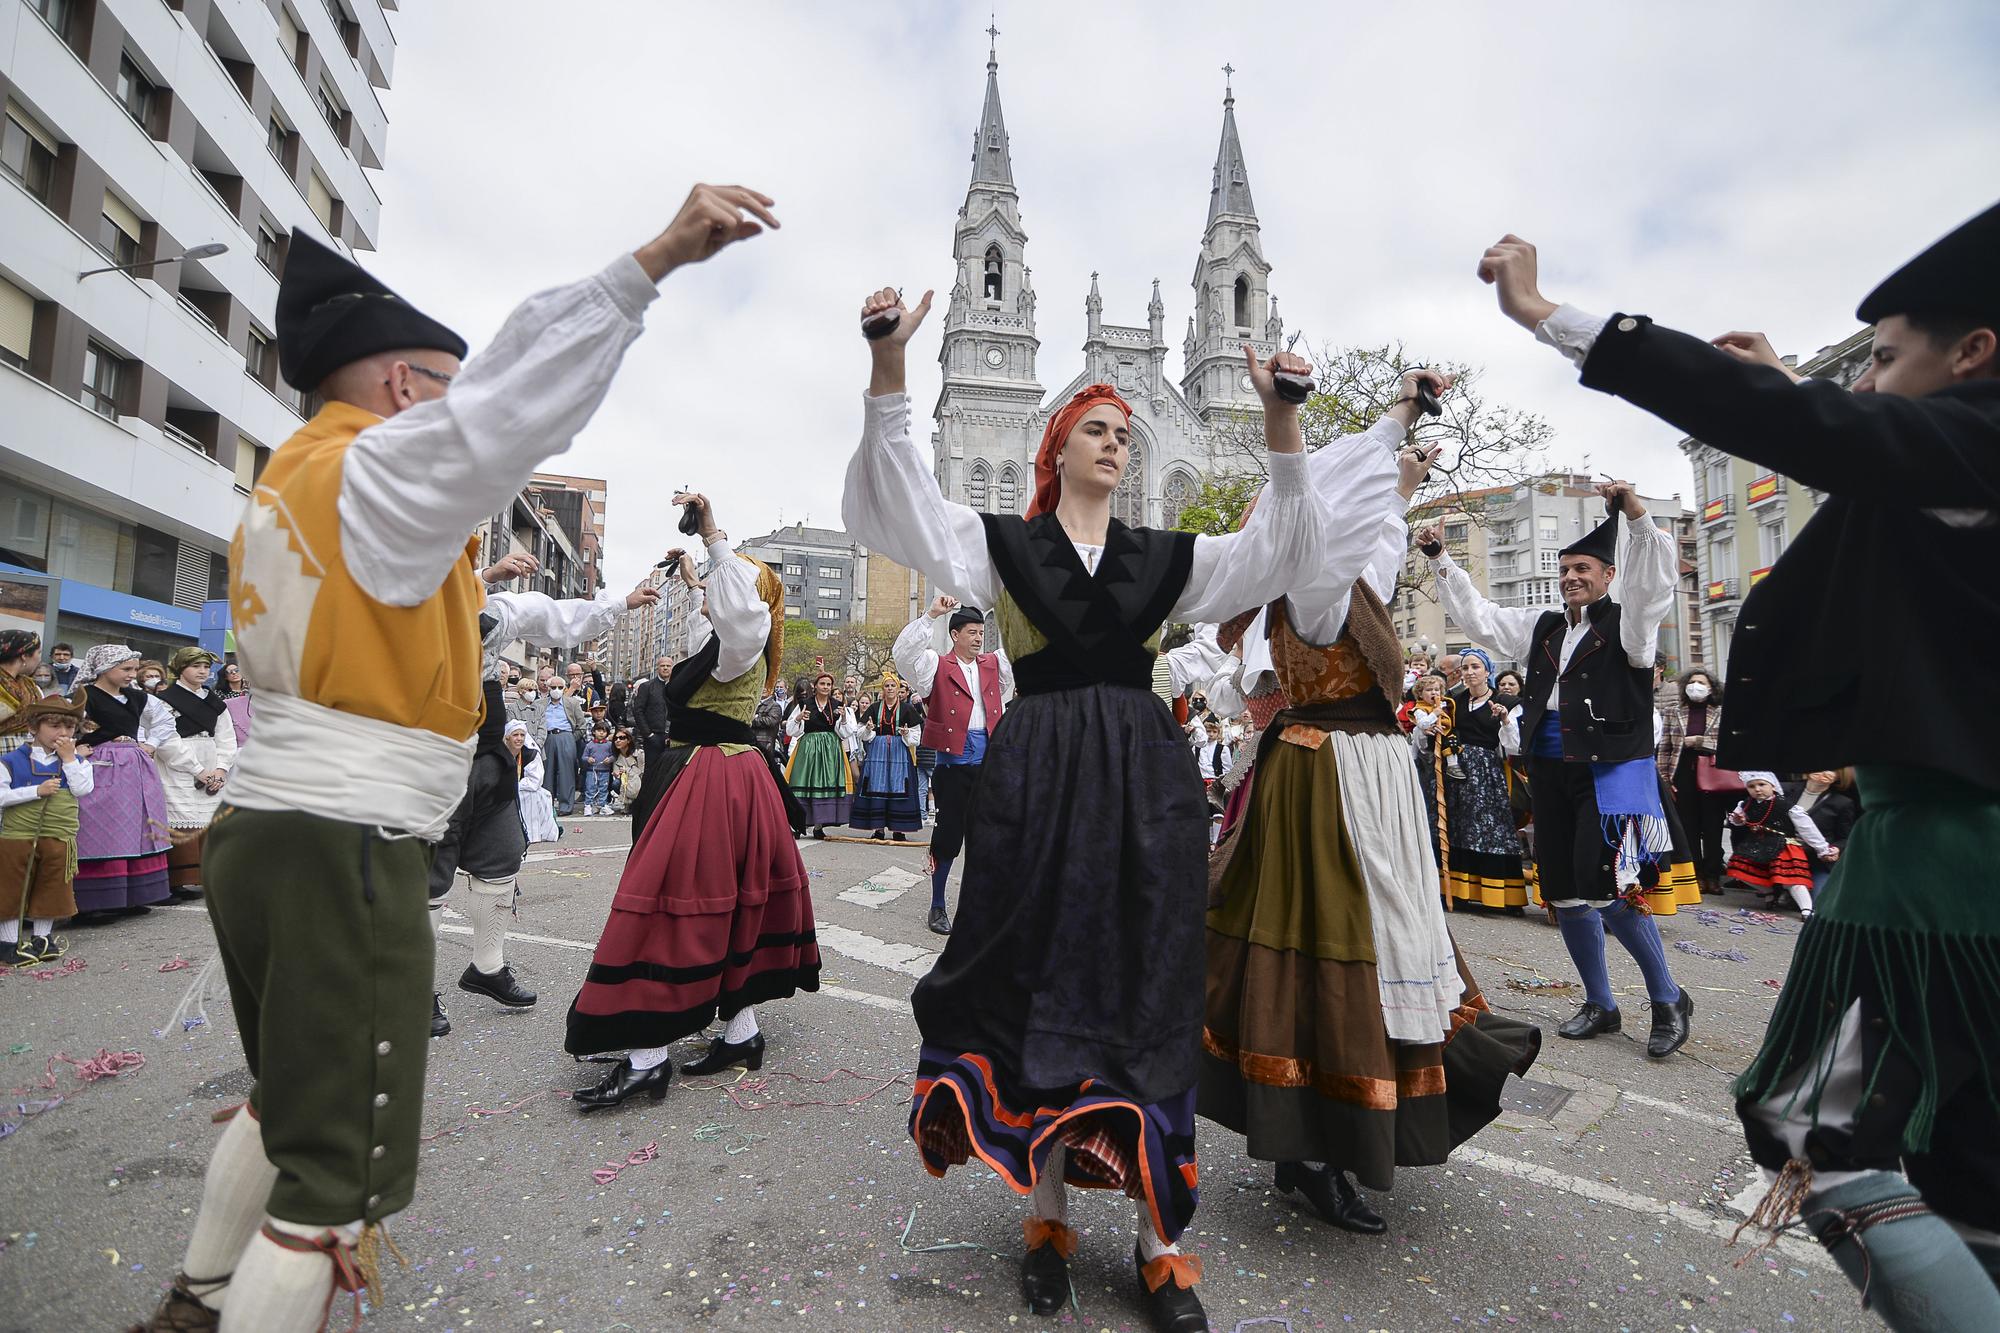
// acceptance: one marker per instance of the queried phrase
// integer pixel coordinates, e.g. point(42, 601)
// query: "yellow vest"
point(305, 628)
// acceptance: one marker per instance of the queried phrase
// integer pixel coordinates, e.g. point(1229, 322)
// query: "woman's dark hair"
point(16, 644)
point(1714, 699)
point(623, 734)
point(1506, 674)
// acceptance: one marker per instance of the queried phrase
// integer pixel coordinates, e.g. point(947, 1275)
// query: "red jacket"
point(950, 704)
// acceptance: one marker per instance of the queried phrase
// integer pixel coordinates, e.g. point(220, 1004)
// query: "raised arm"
point(1506, 630)
point(414, 485)
point(891, 502)
point(916, 659)
point(1648, 573)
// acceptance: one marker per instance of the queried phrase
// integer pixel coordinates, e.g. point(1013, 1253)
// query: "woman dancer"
point(1485, 853)
point(194, 743)
point(1061, 1027)
point(888, 800)
point(818, 771)
point(123, 834)
point(712, 913)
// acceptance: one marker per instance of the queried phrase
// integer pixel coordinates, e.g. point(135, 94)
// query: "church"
point(992, 408)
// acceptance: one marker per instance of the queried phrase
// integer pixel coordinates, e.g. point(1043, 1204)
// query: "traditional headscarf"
point(101, 658)
point(1048, 480)
point(1750, 775)
point(184, 658)
point(514, 725)
point(16, 644)
point(1479, 653)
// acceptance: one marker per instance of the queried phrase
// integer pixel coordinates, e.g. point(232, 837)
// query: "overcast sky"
point(1714, 165)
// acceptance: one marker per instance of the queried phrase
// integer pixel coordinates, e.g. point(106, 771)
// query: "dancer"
point(38, 827)
point(887, 802)
point(123, 836)
point(1343, 1032)
point(712, 914)
point(194, 743)
point(1061, 1027)
point(818, 772)
point(1882, 1055)
point(355, 602)
point(1485, 861)
point(1587, 723)
point(486, 836)
point(1765, 851)
point(965, 693)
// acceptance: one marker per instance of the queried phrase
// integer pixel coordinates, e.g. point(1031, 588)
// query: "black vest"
point(1605, 704)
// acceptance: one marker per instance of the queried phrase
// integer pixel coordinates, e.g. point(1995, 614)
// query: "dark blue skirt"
point(887, 795)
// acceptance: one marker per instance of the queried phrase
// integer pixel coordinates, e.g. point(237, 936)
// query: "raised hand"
point(643, 595)
point(704, 512)
point(1413, 464)
point(713, 217)
point(1620, 494)
point(515, 565)
point(1263, 376)
point(1754, 349)
point(1429, 540)
point(943, 605)
point(907, 319)
point(1510, 265)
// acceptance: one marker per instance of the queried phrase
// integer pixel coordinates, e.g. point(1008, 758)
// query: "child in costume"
point(1766, 831)
point(38, 831)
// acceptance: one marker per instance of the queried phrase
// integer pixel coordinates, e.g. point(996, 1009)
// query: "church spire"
point(1230, 192)
point(991, 164)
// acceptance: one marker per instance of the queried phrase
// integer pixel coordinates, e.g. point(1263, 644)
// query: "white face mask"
point(1697, 692)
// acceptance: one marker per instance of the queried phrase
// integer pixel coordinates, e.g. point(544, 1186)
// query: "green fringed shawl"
point(1908, 922)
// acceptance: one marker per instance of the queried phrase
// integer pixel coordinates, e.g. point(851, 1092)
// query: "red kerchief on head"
point(1048, 481)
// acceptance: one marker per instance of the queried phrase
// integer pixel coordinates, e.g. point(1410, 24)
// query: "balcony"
point(1719, 590)
point(1716, 510)
point(1765, 489)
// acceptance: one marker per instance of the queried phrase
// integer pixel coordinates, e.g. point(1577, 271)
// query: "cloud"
point(1715, 165)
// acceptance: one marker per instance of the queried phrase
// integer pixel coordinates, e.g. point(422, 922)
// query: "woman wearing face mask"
point(152, 675)
point(1689, 726)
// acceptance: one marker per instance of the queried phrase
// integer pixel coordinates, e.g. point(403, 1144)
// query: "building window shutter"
point(17, 320)
point(191, 570)
point(122, 216)
point(32, 127)
point(288, 34)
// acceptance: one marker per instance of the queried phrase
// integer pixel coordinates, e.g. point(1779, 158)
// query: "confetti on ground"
point(610, 1171)
point(1726, 955)
point(711, 1133)
point(477, 1113)
point(105, 1064)
point(1774, 983)
point(759, 1085)
point(1533, 982)
point(175, 964)
point(69, 968)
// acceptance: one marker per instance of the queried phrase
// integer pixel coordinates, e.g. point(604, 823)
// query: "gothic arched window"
point(993, 273)
point(977, 479)
point(1242, 302)
point(1128, 502)
point(1176, 494)
point(1007, 500)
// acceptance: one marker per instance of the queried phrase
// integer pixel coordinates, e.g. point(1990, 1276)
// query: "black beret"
point(966, 615)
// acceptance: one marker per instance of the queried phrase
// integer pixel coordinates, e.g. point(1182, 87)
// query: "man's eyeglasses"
point(428, 373)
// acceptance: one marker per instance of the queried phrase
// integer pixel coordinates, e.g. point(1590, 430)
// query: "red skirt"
point(1787, 868)
point(711, 914)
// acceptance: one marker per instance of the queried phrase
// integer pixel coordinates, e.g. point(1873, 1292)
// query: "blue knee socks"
point(1919, 1274)
point(938, 878)
point(1583, 936)
point(1640, 935)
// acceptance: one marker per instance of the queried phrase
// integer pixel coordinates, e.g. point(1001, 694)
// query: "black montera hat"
point(966, 615)
point(1959, 273)
point(332, 311)
point(1600, 543)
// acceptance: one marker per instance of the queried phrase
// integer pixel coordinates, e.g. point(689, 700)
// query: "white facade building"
point(137, 407)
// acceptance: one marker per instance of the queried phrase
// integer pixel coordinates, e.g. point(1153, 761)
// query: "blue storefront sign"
point(159, 619)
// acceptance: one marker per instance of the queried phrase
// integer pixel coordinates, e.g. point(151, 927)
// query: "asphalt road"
point(1601, 1200)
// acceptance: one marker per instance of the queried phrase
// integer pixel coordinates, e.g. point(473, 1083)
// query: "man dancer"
point(1882, 1052)
point(485, 841)
point(354, 548)
point(1587, 726)
point(963, 699)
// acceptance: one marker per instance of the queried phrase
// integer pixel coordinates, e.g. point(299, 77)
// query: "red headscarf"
point(1048, 481)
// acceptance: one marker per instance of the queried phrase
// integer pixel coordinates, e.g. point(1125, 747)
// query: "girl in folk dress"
point(818, 771)
point(1765, 837)
point(194, 744)
point(887, 802)
point(538, 808)
point(123, 835)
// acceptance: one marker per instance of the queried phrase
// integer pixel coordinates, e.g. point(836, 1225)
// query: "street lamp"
point(208, 251)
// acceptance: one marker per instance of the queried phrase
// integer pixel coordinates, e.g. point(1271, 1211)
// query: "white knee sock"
point(233, 1195)
point(487, 903)
point(10, 930)
point(437, 919)
point(1049, 1199)
point(650, 1058)
point(1151, 1244)
point(741, 1027)
point(278, 1290)
point(1801, 897)
point(42, 925)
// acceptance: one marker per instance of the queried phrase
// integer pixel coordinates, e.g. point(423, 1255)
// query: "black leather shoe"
point(440, 1025)
point(900, 836)
point(1045, 1267)
point(1670, 1026)
point(940, 921)
point(1589, 1021)
point(624, 1081)
point(881, 835)
point(1332, 1195)
point(499, 986)
point(1172, 1307)
point(820, 832)
point(722, 1054)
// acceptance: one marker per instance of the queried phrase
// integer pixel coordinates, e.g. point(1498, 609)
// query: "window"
point(1718, 479)
point(977, 484)
point(55, 13)
point(1546, 528)
point(320, 199)
point(1007, 498)
point(260, 359)
point(1177, 494)
point(118, 231)
point(17, 325)
point(275, 135)
point(267, 246)
point(994, 270)
point(24, 530)
point(795, 569)
point(1551, 561)
point(1242, 302)
point(1455, 533)
point(288, 35)
point(250, 460)
point(830, 572)
point(827, 613)
point(28, 152)
point(791, 613)
point(1772, 542)
point(1722, 558)
point(328, 104)
point(104, 377)
point(89, 547)
point(135, 92)
point(829, 592)
point(1128, 502)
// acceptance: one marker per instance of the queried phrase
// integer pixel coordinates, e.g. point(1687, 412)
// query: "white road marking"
point(1578, 1082)
point(908, 959)
point(873, 1001)
point(880, 888)
point(1598, 1191)
point(570, 853)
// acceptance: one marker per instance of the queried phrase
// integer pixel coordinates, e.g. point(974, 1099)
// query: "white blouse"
point(735, 614)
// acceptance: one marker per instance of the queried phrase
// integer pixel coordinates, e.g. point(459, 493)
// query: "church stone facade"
point(993, 407)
